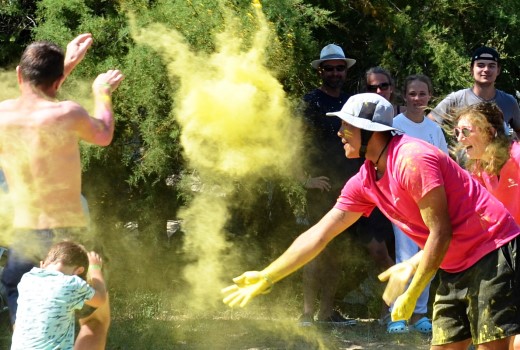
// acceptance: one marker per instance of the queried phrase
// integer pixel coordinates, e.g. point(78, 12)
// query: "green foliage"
point(433, 38)
point(294, 47)
point(145, 154)
point(143, 176)
point(145, 169)
point(16, 22)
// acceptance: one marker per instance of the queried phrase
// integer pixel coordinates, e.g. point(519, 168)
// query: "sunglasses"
point(465, 131)
point(382, 87)
point(334, 68)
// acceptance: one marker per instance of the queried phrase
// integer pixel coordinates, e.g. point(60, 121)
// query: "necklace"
point(380, 154)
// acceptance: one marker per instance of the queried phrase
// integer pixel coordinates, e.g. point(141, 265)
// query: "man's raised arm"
point(99, 129)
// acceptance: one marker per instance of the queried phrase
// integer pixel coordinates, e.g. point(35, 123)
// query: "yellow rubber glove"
point(398, 277)
point(247, 286)
point(403, 307)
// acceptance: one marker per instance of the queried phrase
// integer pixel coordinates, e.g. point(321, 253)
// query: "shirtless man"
point(41, 160)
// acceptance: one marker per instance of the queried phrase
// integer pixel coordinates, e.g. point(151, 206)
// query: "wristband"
point(104, 86)
point(269, 281)
point(94, 267)
point(267, 278)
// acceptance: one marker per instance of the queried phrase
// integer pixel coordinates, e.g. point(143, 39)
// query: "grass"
point(149, 312)
point(151, 320)
point(156, 321)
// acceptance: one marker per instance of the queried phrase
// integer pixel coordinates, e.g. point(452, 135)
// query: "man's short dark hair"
point(42, 63)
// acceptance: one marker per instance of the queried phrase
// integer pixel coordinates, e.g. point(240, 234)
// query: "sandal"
point(397, 327)
point(424, 326)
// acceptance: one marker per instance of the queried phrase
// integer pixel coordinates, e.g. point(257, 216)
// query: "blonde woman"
point(492, 157)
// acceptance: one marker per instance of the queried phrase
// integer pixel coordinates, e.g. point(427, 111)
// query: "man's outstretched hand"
point(108, 82)
point(76, 51)
point(247, 286)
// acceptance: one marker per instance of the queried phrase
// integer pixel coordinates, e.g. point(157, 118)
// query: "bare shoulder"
point(71, 108)
point(69, 112)
point(7, 104)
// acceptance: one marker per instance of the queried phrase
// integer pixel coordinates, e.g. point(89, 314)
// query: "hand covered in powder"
point(247, 286)
point(403, 307)
point(108, 82)
point(398, 277)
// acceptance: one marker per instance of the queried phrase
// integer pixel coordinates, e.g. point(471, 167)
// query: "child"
point(50, 295)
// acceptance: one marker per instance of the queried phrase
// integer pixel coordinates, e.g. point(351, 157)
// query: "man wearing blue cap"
point(485, 68)
point(464, 233)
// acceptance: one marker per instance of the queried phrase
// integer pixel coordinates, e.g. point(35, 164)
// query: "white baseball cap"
point(368, 111)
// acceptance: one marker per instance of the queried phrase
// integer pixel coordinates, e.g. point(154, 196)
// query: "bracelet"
point(94, 267)
point(105, 86)
point(268, 279)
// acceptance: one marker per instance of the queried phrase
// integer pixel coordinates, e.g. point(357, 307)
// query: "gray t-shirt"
point(466, 97)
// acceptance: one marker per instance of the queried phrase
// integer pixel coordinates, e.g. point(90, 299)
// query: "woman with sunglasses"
point(378, 80)
point(417, 94)
point(375, 232)
point(492, 157)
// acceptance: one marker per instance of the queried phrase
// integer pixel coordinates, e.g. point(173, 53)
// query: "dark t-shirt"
point(326, 152)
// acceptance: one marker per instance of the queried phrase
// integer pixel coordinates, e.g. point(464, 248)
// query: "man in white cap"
point(326, 173)
point(485, 68)
point(464, 232)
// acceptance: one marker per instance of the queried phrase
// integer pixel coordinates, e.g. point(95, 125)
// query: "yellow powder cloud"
point(236, 127)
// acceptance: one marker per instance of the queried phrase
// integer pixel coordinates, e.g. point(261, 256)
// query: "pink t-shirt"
point(507, 187)
point(480, 222)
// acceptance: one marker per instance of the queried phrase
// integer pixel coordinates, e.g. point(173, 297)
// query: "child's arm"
point(96, 280)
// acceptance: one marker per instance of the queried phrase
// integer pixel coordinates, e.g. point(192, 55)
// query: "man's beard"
point(334, 84)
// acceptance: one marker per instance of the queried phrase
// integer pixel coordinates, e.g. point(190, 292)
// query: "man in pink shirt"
point(463, 231)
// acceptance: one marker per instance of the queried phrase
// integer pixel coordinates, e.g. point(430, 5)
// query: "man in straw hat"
point(464, 232)
point(327, 171)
